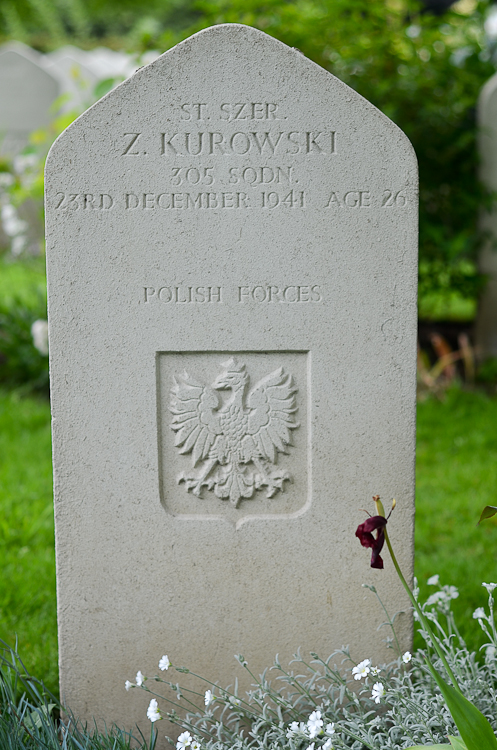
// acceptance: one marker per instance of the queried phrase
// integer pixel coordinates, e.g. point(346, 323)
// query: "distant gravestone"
point(27, 92)
point(486, 323)
point(231, 246)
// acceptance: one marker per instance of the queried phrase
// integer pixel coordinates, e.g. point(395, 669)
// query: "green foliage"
point(456, 476)
point(31, 718)
point(47, 24)
point(21, 364)
point(317, 703)
point(27, 547)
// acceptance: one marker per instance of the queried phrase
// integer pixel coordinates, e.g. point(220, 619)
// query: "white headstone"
point(486, 323)
point(27, 91)
point(231, 246)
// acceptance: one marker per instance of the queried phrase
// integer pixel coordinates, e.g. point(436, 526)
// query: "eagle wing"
point(272, 402)
point(195, 420)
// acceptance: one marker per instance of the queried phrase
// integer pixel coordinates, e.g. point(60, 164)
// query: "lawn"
point(456, 477)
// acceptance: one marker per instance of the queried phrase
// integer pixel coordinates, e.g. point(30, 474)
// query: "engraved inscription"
point(198, 295)
point(271, 293)
point(234, 444)
point(183, 294)
point(251, 178)
point(73, 201)
point(209, 143)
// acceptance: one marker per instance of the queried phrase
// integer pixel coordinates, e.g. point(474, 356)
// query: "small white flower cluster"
point(365, 669)
point(139, 681)
point(443, 596)
point(312, 729)
point(186, 740)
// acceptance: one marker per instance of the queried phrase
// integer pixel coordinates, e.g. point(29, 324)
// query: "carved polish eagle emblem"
point(234, 444)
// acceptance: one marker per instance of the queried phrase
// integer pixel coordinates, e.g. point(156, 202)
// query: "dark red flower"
point(365, 536)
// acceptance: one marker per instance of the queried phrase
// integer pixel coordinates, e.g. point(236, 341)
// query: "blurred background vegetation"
point(423, 64)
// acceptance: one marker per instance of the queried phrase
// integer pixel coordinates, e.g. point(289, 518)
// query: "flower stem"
point(422, 618)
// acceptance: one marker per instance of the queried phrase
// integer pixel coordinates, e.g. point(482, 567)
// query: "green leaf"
point(487, 512)
point(473, 727)
point(455, 742)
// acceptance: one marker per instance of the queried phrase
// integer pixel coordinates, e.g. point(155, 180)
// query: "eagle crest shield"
point(234, 444)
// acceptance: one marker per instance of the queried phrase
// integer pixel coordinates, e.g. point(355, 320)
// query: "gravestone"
point(486, 322)
point(231, 248)
point(27, 91)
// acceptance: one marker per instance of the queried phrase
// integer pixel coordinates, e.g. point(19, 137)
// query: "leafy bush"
point(21, 362)
point(318, 704)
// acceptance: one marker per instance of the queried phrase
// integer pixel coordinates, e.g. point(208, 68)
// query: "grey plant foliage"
point(276, 712)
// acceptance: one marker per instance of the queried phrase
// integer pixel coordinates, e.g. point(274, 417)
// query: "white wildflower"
point(292, 730)
point(140, 679)
point(128, 684)
point(153, 712)
point(377, 692)
point(330, 728)
point(39, 332)
point(375, 671)
point(362, 669)
point(195, 745)
point(208, 697)
point(490, 587)
point(433, 581)
point(406, 658)
point(234, 701)
point(164, 663)
point(296, 728)
point(451, 591)
point(311, 746)
point(314, 724)
point(479, 614)
point(438, 596)
point(184, 741)
point(327, 745)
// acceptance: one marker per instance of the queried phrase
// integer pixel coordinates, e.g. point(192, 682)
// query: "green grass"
point(27, 583)
point(456, 477)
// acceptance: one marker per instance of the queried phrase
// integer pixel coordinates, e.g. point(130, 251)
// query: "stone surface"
point(231, 226)
point(486, 323)
point(27, 92)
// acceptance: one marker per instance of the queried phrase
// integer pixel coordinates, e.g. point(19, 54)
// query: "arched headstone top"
point(197, 66)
